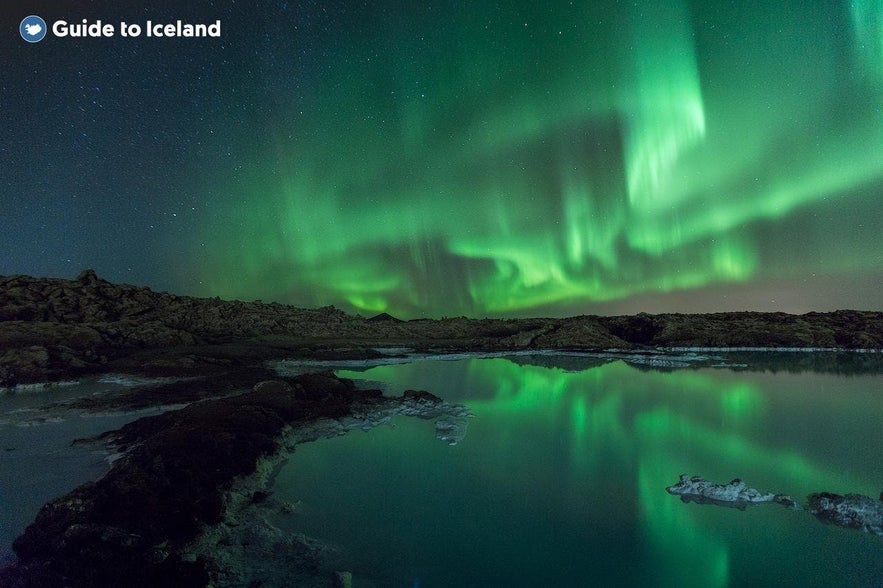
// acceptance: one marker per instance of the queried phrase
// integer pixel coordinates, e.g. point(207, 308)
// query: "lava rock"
point(129, 527)
point(854, 511)
point(735, 494)
point(273, 387)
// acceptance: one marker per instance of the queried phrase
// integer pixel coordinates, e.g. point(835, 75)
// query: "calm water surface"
point(37, 461)
point(561, 478)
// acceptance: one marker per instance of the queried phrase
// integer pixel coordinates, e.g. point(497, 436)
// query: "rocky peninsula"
point(166, 514)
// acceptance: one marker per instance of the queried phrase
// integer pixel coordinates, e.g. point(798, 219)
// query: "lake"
point(37, 461)
point(560, 480)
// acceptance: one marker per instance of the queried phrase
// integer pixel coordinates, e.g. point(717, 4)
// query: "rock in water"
point(450, 430)
point(736, 494)
point(854, 511)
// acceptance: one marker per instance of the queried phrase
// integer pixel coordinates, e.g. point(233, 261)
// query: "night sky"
point(455, 157)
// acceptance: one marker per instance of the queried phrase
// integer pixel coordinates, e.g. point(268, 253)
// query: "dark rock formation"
point(853, 511)
point(420, 396)
point(846, 329)
point(273, 386)
point(129, 527)
point(383, 316)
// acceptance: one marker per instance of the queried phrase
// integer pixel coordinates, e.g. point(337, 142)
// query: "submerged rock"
point(450, 430)
point(854, 511)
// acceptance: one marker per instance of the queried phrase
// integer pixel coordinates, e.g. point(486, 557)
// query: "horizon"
point(458, 159)
point(405, 318)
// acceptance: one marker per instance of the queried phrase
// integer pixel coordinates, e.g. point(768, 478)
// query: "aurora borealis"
point(468, 158)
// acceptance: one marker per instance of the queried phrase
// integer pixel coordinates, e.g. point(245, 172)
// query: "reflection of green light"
point(579, 419)
point(741, 402)
point(658, 425)
point(595, 402)
point(663, 426)
point(686, 553)
point(707, 416)
point(599, 429)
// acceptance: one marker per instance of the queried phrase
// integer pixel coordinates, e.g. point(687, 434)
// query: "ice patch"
point(36, 386)
point(130, 381)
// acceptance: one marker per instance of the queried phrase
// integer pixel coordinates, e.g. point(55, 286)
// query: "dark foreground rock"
point(852, 511)
point(131, 527)
point(247, 549)
point(52, 329)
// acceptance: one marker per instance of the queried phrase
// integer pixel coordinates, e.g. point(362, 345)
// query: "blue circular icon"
point(32, 29)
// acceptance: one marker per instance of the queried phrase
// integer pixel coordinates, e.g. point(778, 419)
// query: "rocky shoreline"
point(169, 511)
point(53, 329)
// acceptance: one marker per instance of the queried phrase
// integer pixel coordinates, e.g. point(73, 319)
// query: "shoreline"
point(184, 476)
point(53, 329)
point(137, 379)
point(246, 520)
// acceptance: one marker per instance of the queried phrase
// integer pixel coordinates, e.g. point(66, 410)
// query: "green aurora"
point(478, 159)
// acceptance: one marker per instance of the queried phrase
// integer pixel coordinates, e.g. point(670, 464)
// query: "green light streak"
point(549, 158)
point(686, 554)
point(665, 115)
point(867, 17)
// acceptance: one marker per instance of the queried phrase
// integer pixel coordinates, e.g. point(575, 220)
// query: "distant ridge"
point(383, 316)
point(54, 329)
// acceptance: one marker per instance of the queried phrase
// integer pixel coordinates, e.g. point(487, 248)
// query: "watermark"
point(34, 29)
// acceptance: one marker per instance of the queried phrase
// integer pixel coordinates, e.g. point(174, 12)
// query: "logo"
point(32, 29)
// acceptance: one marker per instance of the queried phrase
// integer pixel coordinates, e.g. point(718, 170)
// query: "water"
point(37, 461)
point(561, 478)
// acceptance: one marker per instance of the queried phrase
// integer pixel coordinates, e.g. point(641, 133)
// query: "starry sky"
point(455, 158)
